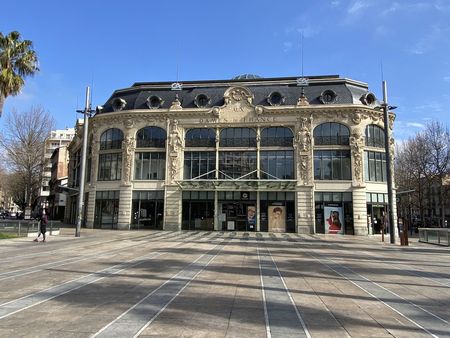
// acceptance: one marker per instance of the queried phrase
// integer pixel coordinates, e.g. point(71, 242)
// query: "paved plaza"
point(221, 284)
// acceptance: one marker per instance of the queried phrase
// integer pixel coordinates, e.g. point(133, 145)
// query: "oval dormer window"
point(154, 102)
point(202, 101)
point(118, 104)
point(275, 99)
point(328, 96)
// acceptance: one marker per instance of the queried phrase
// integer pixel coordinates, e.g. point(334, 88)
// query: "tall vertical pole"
point(80, 208)
point(388, 164)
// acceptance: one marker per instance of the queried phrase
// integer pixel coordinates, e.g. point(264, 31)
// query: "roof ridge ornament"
point(176, 86)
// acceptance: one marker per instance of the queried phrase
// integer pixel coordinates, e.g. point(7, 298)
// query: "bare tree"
point(437, 137)
point(23, 142)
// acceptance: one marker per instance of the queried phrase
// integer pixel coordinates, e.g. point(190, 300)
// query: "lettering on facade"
point(238, 120)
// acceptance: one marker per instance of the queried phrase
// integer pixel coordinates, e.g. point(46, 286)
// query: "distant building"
point(247, 154)
point(56, 139)
point(58, 179)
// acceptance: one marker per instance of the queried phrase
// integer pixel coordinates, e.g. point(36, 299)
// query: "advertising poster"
point(251, 217)
point(277, 218)
point(334, 220)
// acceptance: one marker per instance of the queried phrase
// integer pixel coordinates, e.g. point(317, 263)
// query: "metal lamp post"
point(386, 109)
point(81, 206)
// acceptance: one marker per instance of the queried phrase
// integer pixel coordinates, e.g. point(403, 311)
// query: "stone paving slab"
point(341, 286)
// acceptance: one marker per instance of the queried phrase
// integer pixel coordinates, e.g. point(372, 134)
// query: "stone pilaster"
point(172, 208)
point(90, 207)
point(305, 209)
point(360, 211)
point(124, 219)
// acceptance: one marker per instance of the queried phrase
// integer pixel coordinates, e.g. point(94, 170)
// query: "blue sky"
point(112, 44)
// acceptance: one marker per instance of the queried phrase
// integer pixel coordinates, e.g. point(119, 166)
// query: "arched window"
point(111, 139)
point(277, 136)
point(331, 133)
point(201, 137)
point(151, 137)
point(374, 136)
point(238, 137)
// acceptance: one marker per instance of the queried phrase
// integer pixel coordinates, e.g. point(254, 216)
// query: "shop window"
point(200, 165)
point(332, 165)
point(238, 137)
point(374, 136)
point(110, 167)
point(201, 137)
point(149, 166)
point(106, 209)
point(331, 133)
point(147, 209)
point(277, 164)
point(151, 137)
point(111, 139)
point(237, 164)
point(277, 136)
point(375, 166)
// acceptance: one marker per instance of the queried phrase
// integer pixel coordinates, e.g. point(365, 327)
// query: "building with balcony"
point(247, 154)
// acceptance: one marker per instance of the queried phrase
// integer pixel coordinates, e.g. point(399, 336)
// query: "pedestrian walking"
point(43, 221)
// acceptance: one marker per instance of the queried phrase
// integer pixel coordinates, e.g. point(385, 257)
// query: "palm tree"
point(17, 60)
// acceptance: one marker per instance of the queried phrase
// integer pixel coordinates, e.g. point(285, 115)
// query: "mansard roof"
point(342, 90)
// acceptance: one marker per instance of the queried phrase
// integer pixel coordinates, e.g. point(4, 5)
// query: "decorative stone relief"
point(176, 104)
point(128, 123)
point(238, 95)
point(303, 137)
point(128, 149)
point(304, 168)
point(176, 146)
point(356, 118)
point(357, 145)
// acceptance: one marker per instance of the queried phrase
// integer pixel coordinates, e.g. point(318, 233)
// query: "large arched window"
point(111, 139)
point(150, 165)
point(331, 133)
point(276, 136)
point(374, 136)
point(201, 137)
point(238, 137)
point(151, 137)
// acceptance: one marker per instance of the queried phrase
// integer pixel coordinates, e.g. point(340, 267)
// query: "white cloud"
point(415, 124)
point(335, 3)
point(432, 38)
point(392, 9)
point(357, 6)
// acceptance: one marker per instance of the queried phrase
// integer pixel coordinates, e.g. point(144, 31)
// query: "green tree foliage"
point(17, 61)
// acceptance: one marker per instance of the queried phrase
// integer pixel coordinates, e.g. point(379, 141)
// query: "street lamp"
point(386, 109)
point(80, 208)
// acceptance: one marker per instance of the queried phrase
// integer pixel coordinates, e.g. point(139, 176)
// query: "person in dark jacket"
point(43, 221)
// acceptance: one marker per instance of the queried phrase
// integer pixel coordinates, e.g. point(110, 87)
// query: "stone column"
point(305, 210)
point(360, 211)
point(173, 195)
point(304, 169)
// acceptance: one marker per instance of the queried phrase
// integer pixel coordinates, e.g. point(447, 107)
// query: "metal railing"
point(22, 228)
point(434, 235)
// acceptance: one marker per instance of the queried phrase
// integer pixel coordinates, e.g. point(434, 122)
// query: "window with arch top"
point(374, 136)
point(237, 137)
point(201, 137)
point(277, 136)
point(111, 139)
point(151, 137)
point(331, 133)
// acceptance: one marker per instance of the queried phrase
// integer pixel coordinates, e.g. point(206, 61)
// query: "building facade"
point(57, 138)
point(248, 154)
point(59, 177)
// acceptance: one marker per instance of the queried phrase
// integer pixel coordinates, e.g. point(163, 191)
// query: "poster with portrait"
point(277, 218)
point(334, 220)
point(251, 217)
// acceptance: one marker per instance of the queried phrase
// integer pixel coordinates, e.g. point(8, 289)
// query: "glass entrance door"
point(239, 216)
